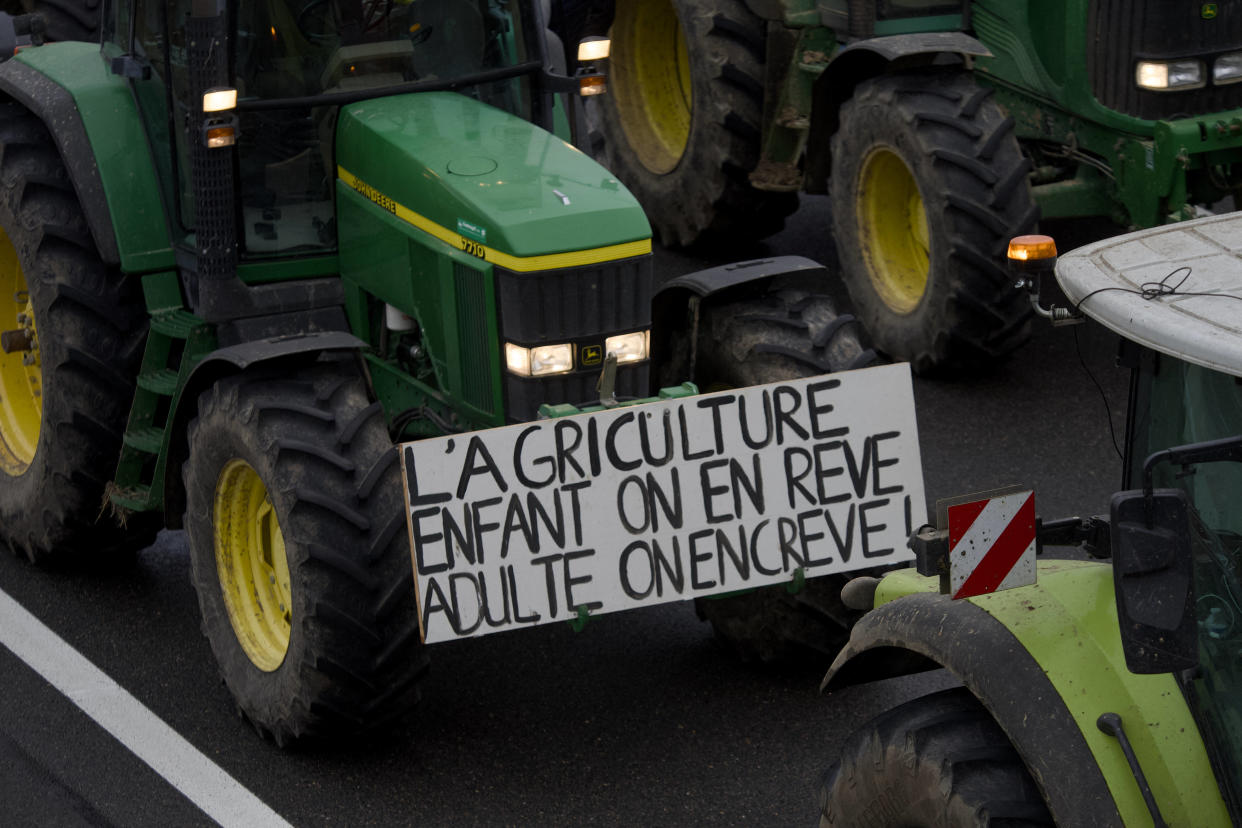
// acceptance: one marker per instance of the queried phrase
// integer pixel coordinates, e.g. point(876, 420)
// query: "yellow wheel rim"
point(253, 568)
point(650, 76)
point(21, 380)
point(893, 230)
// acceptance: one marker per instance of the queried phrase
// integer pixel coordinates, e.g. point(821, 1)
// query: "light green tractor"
point(1094, 692)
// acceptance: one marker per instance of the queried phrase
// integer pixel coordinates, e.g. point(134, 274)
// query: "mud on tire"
point(781, 334)
point(65, 19)
point(91, 325)
point(321, 450)
point(684, 136)
point(925, 268)
point(939, 761)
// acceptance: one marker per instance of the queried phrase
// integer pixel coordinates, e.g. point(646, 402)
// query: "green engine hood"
point(468, 172)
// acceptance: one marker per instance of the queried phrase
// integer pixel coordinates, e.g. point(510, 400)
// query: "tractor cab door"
point(1177, 403)
point(138, 41)
point(283, 171)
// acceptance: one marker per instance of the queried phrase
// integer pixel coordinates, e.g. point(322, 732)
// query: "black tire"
point(67, 19)
point(940, 761)
point(91, 325)
point(320, 449)
point(693, 181)
point(943, 133)
point(782, 334)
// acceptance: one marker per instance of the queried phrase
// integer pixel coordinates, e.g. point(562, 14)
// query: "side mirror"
point(1154, 580)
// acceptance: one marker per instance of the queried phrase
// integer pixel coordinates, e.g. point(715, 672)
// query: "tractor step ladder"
point(177, 340)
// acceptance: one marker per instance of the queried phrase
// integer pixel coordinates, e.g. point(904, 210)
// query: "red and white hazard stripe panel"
point(992, 544)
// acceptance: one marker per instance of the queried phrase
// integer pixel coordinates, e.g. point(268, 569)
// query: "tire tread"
point(356, 658)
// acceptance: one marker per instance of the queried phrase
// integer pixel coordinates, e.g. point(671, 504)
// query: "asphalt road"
point(642, 718)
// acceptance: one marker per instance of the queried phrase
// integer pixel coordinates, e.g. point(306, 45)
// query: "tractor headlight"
point(593, 48)
point(517, 359)
point(1227, 69)
point(630, 347)
point(1169, 75)
point(540, 361)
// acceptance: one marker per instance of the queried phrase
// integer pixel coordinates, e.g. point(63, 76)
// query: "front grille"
point(580, 305)
point(1123, 32)
point(575, 302)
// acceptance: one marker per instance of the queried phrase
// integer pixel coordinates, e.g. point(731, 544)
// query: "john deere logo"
point(592, 355)
point(1208, 11)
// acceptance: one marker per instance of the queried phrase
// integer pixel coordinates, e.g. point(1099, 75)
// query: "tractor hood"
point(450, 164)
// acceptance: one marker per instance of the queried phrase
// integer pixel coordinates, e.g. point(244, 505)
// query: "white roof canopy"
point(1193, 272)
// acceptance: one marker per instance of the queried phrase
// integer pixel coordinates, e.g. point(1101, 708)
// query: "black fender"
point(219, 364)
point(864, 59)
point(927, 631)
point(672, 311)
point(54, 105)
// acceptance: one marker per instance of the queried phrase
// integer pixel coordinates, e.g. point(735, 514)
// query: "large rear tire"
point(928, 186)
point(65, 19)
point(75, 327)
point(681, 124)
point(299, 552)
point(939, 761)
point(782, 334)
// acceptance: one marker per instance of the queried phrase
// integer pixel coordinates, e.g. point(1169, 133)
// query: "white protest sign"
point(526, 524)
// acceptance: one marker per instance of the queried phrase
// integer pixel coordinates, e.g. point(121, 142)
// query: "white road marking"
point(203, 782)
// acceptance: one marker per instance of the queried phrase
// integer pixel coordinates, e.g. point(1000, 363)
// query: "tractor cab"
point(271, 76)
point(1174, 295)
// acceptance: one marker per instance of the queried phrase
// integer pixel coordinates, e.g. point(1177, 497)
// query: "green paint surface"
point(1068, 623)
point(452, 159)
point(120, 145)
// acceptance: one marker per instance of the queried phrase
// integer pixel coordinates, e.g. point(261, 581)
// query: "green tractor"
point(1093, 692)
point(939, 129)
point(246, 248)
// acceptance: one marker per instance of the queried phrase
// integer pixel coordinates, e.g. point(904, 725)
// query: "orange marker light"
point(592, 85)
point(221, 136)
point(1032, 248)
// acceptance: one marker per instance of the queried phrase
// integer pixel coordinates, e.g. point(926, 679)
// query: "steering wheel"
point(368, 14)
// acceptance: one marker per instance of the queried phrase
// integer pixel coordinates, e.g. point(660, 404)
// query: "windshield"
point(1178, 404)
point(295, 59)
point(293, 63)
point(314, 47)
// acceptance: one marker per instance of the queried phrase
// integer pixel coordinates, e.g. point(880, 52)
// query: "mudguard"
point(672, 299)
point(1046, 660)
point(703, 283)
point(220, 363)
point(93, 118)
point(859, 61)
